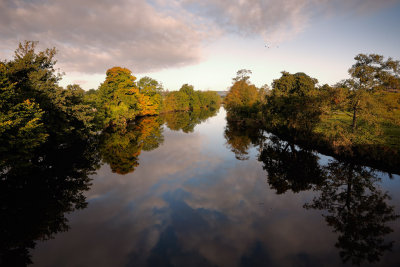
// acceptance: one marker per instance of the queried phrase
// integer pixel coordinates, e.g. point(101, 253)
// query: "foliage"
point(371, 73)
point(176, 101)
point(189, 99)
point(150, 99)
point(30, 78)
point(118, 96)
point(294, 102)
point(244, 100)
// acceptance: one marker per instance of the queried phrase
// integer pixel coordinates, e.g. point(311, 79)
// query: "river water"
point(212, 195)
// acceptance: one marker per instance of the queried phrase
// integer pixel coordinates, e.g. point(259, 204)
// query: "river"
point(211, 195)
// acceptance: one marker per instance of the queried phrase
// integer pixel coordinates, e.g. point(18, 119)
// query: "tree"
point(150, 99)
point(176, 101)
point(34, 77)
point(294, 102)
point(242, 75)
point(370, 73)
point(119, 97)
point(194, 101)
point(241, 95)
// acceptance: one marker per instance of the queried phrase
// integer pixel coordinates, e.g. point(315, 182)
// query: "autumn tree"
point(119, 97)
point(150, 99)
point(242, 96)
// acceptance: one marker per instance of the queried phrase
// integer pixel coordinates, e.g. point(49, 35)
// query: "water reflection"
point(349, 196)
point(121, 149)
point(290, 167)
point(357, 209)
point(186, 121)
point(240, 139)
point(36, 193)
point(191, 202)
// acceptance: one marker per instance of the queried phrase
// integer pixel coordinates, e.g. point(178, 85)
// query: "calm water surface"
point(214, 195)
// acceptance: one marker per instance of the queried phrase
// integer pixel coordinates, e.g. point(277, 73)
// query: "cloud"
point(275, 20)
point(92, 36)
point(145, 36)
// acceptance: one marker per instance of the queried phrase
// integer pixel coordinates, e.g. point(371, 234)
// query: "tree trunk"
point(354, 124)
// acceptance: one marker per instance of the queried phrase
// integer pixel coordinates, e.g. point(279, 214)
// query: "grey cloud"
point(92, 36)
point(275, 20)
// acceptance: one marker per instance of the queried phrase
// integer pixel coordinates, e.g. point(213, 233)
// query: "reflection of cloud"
point(217, 212)
point(182, 195)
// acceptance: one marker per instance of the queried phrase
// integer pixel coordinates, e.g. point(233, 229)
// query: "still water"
point(198, 192)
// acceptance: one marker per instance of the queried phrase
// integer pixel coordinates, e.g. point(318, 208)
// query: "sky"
point(203, 43)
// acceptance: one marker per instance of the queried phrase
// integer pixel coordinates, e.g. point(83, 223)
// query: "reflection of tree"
point(121, 149)
point(186, 121)
point(288, 167)
point(240, 139)
point(36, 193)
point(357, 210)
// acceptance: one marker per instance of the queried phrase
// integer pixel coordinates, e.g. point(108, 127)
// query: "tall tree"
point(119, 97)
point(150, 99)
point(369, 74)
point(294, 102)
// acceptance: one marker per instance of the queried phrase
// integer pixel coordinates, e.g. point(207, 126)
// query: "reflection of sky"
point(191, 202)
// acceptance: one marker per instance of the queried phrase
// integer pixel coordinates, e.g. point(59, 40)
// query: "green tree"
point(194, 101)
point(294, 102)
point(30, 83)
point(370, 73)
